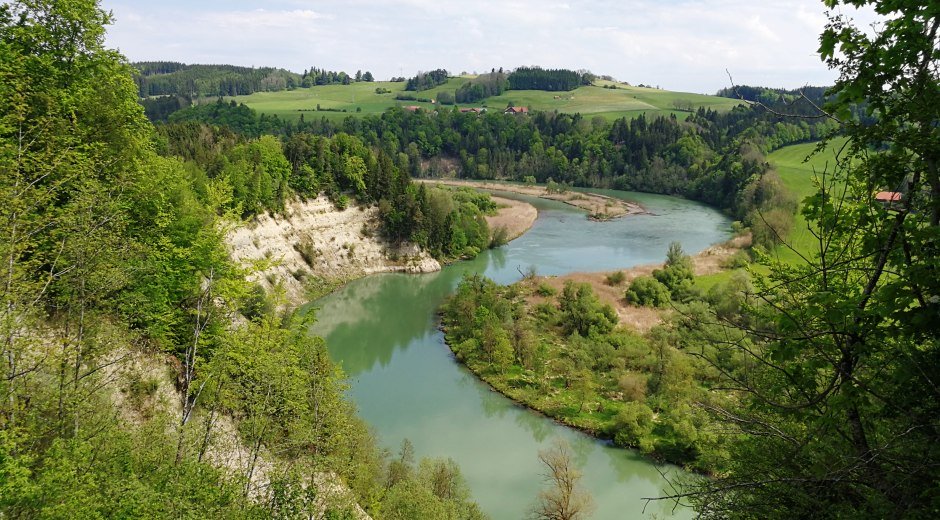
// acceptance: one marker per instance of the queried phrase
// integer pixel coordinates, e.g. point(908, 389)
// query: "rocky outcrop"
point(314, 241)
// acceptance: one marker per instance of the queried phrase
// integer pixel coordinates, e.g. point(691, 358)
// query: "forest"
point(482, 87)
point(161, 78)
point(712, 157)
point(427, 80)
point(553, 80)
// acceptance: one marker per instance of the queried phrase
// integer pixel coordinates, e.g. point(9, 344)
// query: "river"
point(383, 330)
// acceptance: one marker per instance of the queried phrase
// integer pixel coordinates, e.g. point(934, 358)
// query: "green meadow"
point(799, 168)
point(590, 101)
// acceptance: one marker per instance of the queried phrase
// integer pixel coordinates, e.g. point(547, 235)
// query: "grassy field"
point(799, 175)
point(590, 100)
point(798, 168)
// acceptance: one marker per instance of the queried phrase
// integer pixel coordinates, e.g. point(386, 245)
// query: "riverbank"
point(598, 207)
point(515, 216)
point(314, 247)
point(641, 319)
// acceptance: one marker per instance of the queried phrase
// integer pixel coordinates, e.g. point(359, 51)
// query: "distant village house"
point(517, 110)
point(889, 199)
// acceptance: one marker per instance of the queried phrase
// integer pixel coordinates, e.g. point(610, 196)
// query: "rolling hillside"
point(588, 100)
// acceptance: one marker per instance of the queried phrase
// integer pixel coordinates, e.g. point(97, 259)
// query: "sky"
point(683, 45)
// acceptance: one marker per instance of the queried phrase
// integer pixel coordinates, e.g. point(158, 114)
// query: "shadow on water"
point(383, 331)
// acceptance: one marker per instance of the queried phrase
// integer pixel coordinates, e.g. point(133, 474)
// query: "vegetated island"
point(598, 207)
point(587, 350)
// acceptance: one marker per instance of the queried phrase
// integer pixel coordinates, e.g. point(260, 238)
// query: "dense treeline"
point(710, 157)
point(537, 78)
point(251, 176)
point(195, 81)
point(166, 86)
point(805, 103)
point(481, 87)
point(236, 116)
point(316, 76)
point(136, 360)
point(777, 97)
point(427, 80)
point(159, 108)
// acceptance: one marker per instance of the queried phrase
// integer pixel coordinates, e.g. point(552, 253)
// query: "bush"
point(770, 228)
point(615, 278)
point(633, 386)
point(546, 290)
point(739, 260)
point(677, 275)
point(307, 250)
point(583, 313)
point(648, 291)
point(255, 304)
point(445, 98)
point(633, 426)
point(500, 237)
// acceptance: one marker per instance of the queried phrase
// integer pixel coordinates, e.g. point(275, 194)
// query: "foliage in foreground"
point(115, 276)
point(838, 409)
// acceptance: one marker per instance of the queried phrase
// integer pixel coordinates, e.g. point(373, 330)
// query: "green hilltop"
point(362, 98)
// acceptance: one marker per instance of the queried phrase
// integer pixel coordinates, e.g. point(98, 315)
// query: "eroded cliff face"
point(313, 241)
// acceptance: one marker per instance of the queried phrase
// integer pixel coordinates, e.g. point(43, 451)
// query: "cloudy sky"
point(682, 45)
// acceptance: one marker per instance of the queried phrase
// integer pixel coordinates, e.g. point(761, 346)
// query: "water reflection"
point(536, 424)
point(383, 330)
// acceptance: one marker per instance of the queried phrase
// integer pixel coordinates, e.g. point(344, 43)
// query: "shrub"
point(546, 290)
point(500, 237)
point(445, 98)
point(737, 261)
point(633, 386)
point(255, 304)
point(616, 278)
point(633, 426)
point(648, 292)
point(307, 250)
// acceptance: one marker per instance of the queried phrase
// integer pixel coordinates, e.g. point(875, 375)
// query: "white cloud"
point(678, 44)
point(262, 18)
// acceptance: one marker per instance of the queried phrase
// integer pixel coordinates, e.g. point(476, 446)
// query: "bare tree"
point(563, 498)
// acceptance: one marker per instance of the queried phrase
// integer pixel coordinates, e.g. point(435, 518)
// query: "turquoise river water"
point(383, 330)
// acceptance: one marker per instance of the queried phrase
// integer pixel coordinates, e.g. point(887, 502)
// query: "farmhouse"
point(889, 199)
point(517, 110)
point(473, 110)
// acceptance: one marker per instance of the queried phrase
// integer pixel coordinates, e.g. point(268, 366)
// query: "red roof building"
point(890, 200)
point(517, 110)
point(888, 197)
